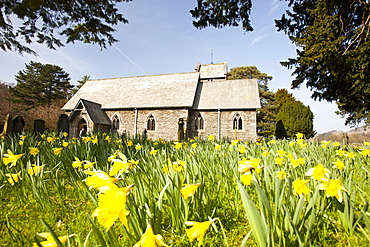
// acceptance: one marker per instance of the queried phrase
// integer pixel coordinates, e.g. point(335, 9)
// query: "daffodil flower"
point(148, 239)
point(247, 178)
point(138, 146)
point(333, 188)
point(50, 242)
point(118, 166)
point(11, 158)
point(34, 170)
point(300, 186)
point(13, 178)
point(318, 172)
point(338, 164)
point(198, 230)
point(211, 138)
point(282, 174)
point(98, 179)
point(189, 190)
point(57, 151)
point(112, 205)
point(34, 151)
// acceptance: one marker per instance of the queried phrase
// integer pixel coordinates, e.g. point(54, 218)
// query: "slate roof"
point(158, 91)
point(184, 90)
point(94, 111)
point(227, 94)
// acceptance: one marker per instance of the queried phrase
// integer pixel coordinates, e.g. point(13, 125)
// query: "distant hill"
point(356, 135)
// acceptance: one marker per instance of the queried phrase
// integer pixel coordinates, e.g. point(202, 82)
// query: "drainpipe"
point(219, 124)
point(135, 127)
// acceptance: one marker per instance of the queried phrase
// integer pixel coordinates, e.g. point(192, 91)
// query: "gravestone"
point(8, 127)
point(18, 124)
point(63, 123)
point(39, 126)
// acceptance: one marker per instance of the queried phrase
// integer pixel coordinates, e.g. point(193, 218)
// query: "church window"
point(199, 123)
point(150, 123)
point(238, 122)
point(115, 122)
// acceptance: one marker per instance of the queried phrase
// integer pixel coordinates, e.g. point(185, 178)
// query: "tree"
point(283, 97)
point(78, 20)
point(294, 118)
point(265, 115)
point(221, 13)
point(40, 84)
point(81, 82)
point(333, 58)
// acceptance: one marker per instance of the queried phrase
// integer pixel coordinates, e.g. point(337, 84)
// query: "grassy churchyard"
point(100, 190)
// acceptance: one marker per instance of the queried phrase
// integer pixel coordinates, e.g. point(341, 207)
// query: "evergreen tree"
point(265, 115)
point(81, 82)
point(294, 118)
point(40, 84)
point(283, 97)
point(333, 58)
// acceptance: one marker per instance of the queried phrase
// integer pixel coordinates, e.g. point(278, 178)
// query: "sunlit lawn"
point(101, 190)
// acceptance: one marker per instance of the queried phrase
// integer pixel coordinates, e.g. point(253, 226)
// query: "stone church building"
point(192, 104)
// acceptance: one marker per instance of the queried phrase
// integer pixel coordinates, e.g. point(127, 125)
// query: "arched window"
point(115, 123)
point(150, 123)
point(237, 122)
point(199, 123)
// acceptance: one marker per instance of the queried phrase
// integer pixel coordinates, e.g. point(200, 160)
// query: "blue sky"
point(160, 39)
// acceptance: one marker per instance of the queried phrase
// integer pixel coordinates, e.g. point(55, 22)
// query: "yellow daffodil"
point(340, 152)
point(272, 141)
point(77, 163)
point(234, 142)
point(265, 153)
point(333, 188)
point(188, 190)
point(198, 230)
point(153, 151)
point(13, 178)
point(282, 174)
point(138, 146)
point(218, 146)
point(65, 134)
point(318, 172)
point(21, 143)
point(148, 239)
point(350, 155)
point(178, 145)
point(279, 160)
point(365, 152)
point(65, 144)
point(338, 164)
point(34, 170)
point(178, 165)
point(280, 153)
point(241, 149)
point(291, 144)
point(88, 164)
point(107, 138)
point(112, 205)
point(366, 143)
point(300, 186)
point(86, 138)
point(194, 145)
point(211, 138)
point(98, 179)
point(130, 143)
point(246, 178)
point(57, 151)
point(336, 144)
point(11, 158)
point(249, 165)
point(118, 166)
point(50, 242)
point(299, 135)
point(50, 139)
point(34, 151)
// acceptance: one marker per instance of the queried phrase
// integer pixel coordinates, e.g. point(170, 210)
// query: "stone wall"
point(212, 121)
point(166, 122)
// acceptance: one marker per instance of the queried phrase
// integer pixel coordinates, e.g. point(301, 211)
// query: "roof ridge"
point(139, 76)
